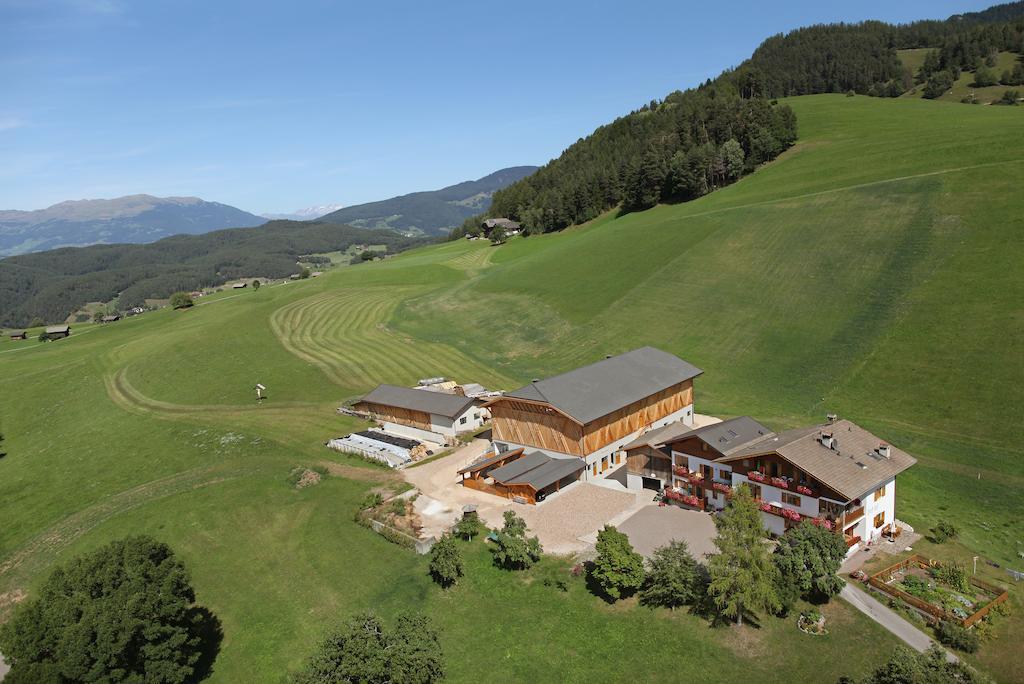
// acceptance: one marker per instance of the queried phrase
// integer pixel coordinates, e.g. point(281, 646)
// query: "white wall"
point(413, 433)
point(886, 505)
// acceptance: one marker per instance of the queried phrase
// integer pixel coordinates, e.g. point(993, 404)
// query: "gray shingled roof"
point(515, 469)
point(659, 436)
point(854, 467)
point(438, 403)
point(732, 434)
point(58, 328)
point(590, 392)
point(537, 470)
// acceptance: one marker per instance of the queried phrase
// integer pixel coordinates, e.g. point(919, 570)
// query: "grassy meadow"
point(963, 86)
point(873, 270)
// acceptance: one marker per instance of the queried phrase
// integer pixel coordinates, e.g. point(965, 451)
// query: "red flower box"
point(691, 500)
point(756, 476)
point(822, 522)
point(780, 482)
point(681, 471)
point(804, 490)
point(790, 514)
point(721, 487)
point(767, 508)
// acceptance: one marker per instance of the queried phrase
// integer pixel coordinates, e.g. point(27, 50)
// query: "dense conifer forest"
point(692, 142)
point(51, 285)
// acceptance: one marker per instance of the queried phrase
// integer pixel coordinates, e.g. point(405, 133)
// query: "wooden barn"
point(522, 477)
point(592, 412)
point(422, 414)
point(57, 331)
point(19, 335)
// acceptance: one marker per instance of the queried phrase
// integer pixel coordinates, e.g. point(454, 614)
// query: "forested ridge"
point(694, 141)
point(51, 285)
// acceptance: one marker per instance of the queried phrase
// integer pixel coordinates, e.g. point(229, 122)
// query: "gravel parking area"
point(575, 512)
point(654, 526)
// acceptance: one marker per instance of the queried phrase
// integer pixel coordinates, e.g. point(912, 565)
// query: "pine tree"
point(446, 561)
point(743, 576)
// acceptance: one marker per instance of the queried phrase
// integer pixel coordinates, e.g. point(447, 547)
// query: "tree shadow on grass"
point(207, 627)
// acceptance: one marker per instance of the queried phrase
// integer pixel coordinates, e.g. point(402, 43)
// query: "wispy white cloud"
point(10, 123)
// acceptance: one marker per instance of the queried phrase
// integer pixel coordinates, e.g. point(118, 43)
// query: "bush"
point(1010, 97)
point(468, 527)
point(398, 506)
point(943, 531)
point(181, 300)
point(446, 561)
point(673, 577)
point(985, 77)
point(952, 634)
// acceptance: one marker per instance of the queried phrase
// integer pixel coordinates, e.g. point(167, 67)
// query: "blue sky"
point(277, 107)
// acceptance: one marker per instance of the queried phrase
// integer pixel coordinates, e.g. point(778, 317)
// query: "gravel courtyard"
point(654, 526)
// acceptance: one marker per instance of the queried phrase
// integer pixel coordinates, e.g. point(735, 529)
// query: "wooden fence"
point(881, 578)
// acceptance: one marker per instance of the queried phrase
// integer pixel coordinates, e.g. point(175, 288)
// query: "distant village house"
point(58, 331)
point(19, 335)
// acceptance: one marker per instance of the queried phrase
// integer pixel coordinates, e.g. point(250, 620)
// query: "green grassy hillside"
point(963, 86)
point(873, 270)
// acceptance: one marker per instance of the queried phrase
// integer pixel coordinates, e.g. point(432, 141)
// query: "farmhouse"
point(423, 415)
point(837, 474)
point(509, 225)
point(590, 413)
point(19, 335)
point(56, 331)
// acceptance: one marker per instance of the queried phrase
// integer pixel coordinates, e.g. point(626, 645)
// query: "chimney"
point(828, 440)
point(831, 418)
point(884, 450)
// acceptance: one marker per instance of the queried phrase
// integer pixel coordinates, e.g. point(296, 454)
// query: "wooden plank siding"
point(636, 416)
point(536, 425)
point(394, 414)
point(539, 425)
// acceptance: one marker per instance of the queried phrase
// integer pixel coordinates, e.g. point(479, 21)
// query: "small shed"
point(55, 331)
point(239, 286)
point(110, 318)
point(19, 335)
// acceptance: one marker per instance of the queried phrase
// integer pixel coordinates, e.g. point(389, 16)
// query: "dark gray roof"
point(17, 333)
point(590, 392)
point(537, 470)
point(58, 328)
point(659, 436)
point(438, 403)
point(515, 469)
point(732, 434)
point(852, 468)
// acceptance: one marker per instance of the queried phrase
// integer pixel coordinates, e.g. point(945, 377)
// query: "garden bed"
point(944, 592)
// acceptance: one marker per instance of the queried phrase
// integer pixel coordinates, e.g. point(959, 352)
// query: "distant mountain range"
point(432, 212)
point(307, 214)
point(131, 219)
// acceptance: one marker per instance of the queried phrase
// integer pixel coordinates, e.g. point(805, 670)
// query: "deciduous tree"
point(181, 300)
point(122, 613)
point(673, 579)
point(808, 558)
point(512, 548)
point(446, 561)
point(618, 569)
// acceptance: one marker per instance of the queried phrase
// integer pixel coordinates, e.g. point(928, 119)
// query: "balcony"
point(681, 471)
point(853, 516)
point(685, 499)
point(722, 487)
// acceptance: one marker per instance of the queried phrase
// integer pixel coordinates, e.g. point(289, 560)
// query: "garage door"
point(652, 483)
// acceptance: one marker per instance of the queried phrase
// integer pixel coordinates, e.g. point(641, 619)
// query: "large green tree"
point(512, 549)
point(908, 667)
point(446, 561)
point(361, 650)
point(743, 576)
point(617, 569)
point(122, 613)
point(673, 579)
point(181, 300)
point(808, 558)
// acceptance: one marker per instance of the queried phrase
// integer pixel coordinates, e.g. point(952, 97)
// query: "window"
point(476, 416)
point(879, 520)
point(880, 492)
point(724, 474)
point(755, 490)
point(462, 420)
point(791, 499)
